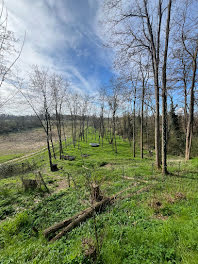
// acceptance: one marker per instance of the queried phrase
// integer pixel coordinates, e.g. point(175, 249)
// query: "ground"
point(158, 224)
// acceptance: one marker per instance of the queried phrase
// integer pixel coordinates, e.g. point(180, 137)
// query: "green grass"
point(9, 157)
point(156, 226)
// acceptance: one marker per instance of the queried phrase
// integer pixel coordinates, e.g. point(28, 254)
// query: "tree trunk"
point(185, 98)
point(134, 124)
point(82, 218)
point(191, 110)
point(164, 95)
point(154, 51)
point(147, 130)
point(114, 132)
point(58, 126)
point(48, 144)
point(142, 122)
point(51, 139)
point(87, 128)
point(63, 126)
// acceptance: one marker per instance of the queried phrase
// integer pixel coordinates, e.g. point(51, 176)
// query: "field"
point(16, 145)
point(22, 142)
point(154, 219)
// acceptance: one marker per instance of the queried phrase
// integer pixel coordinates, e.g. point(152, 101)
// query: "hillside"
point(154, 219)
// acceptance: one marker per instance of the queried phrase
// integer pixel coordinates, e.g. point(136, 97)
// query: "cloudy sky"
point(63, 36)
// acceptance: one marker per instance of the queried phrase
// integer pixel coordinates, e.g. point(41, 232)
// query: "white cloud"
point(55, 30)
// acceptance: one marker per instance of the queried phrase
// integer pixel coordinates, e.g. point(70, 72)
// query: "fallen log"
point(81, 217)
point(52, 229)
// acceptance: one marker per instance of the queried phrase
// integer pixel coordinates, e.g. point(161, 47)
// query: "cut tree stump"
point(54, 167)
point(96, 193)
point(29, 184)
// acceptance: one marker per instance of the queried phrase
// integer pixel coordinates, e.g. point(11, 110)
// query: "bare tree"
point(187, 38)
point(114, 99)
point(164, 94)
point(102, 96)
point(130, 94)
point(181, 76)
point(84, 114)
point(58, 90)
point(39, 88)
point(144, 76)
point(72, 101)
point(8, 51)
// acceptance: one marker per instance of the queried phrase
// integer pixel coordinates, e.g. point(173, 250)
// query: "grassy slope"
point(159, 226)
point(6, 158)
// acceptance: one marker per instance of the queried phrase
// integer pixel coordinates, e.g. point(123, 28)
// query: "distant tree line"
point(11, 123)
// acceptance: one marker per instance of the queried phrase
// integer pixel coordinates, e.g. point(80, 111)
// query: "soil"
point(62, 185)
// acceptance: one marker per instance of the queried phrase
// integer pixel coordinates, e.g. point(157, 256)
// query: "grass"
point(5, 158)
point(156, 226)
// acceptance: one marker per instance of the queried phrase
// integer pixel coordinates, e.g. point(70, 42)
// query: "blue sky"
point(62, 35)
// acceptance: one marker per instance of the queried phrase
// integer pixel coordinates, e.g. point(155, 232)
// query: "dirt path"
point(24, 157)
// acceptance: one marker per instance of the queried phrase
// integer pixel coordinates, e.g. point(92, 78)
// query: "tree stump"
point(54, 167)
point(96, 193)
point(29, 184)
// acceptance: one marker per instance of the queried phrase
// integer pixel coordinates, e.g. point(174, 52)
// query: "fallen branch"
point(81, 217)
point(54, 228)
point(66, 222)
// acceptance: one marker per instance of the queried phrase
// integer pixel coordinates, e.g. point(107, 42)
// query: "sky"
point(62, 35)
